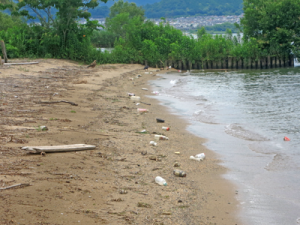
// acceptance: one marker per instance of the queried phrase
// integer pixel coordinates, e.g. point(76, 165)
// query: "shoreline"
point(85, 186)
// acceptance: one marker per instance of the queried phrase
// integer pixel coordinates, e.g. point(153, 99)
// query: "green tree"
point(120, 15)
point(274, 24)
point(6, 21)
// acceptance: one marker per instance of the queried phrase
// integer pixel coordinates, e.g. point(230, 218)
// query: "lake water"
point(245, 115)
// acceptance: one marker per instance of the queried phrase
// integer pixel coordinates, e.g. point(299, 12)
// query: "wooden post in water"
point(219, 64)
point(229, 62)
point(234, 63)
point(287, 61)
point(208, 64)
point(253, 64)
point(249, 63)
point(224, 64)
point(146, 63)
point(263, 62)
point(269, 62)
point(278, 62)
point(273, 62)
point(184, 65)
point(240, 64)
point(292, 60)
point(3, 51)
point(204, 64)
point(214, 64)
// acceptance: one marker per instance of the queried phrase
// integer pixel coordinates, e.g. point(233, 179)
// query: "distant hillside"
point(178, 8)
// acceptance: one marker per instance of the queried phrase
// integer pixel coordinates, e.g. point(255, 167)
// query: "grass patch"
point(73, 111)
point(144, 205)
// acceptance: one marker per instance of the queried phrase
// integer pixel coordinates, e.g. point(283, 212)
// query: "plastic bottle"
point(197, 159)
point(160, 137)
point(201, 156)
point(131, 94)
point(145, 89)
point(161, 181)
point(166, 128)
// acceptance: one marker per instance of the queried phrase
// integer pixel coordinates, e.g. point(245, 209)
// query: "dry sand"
point(84, 187)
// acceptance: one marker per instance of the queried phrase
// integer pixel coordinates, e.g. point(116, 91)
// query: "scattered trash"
point(179, 173)
point(166, 128)
point(179, 71)
point(176, 164)
point(131, 78)
point(142, 110)
point(286, 139)
point(197, 159)
point(177, 153)
point(146, 103)
point(131, 94)
point(122, 191)
point(145, 89)
point(144, 152)
point(166, 213)
point(144, 205)
point(137, 103)
point(153, 143)
point(143, 132)
point(160, 137)
point(43, 128)
point(155, 92)
point(160, 120)
point(146, 72)
point(161, 181)
point(153, 157)
point(139, 75)
point(135, 98)
point(200, 156)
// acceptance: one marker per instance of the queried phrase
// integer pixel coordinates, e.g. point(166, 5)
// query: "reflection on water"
point(245, 115)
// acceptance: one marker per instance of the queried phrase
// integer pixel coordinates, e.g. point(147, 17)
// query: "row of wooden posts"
point(232, 63)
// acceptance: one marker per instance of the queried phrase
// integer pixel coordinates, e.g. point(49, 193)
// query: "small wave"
point(238, 131)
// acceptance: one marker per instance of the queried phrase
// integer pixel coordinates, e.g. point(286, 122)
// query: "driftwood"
point(145, 103)
point(16, 185)
point(54, 102)
point(1, 63)
point(58, 148)
point(22, 63)
point(3, 50)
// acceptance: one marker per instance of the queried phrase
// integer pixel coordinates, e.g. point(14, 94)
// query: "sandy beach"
point(114, 183)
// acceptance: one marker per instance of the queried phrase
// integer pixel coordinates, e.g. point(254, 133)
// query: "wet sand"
point(113, 184)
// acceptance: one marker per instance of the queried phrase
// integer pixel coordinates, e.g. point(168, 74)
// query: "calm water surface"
point(245, 115)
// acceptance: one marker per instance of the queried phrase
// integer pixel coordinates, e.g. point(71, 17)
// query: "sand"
point(114, 183)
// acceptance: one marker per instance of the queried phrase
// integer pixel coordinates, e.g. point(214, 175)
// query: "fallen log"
point(54, 102)
point(58, 148)
point(22, 63)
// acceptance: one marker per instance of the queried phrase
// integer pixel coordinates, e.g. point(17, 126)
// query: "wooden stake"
point(3, 50)
point(1, 63)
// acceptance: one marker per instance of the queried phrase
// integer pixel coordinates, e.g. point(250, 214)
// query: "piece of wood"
point(1, 63)
point(15, 185)
point(54, 102)
point(3, 50)
point(22, 63)
point(145, 103)
point(58, 148)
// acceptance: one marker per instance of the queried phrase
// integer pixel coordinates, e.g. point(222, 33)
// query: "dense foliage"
point(134, 40)
point(274, 24)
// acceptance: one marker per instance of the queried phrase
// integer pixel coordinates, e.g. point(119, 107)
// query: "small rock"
point(122, 191)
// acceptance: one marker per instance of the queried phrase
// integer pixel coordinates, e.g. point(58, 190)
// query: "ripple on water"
point(238, 131)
